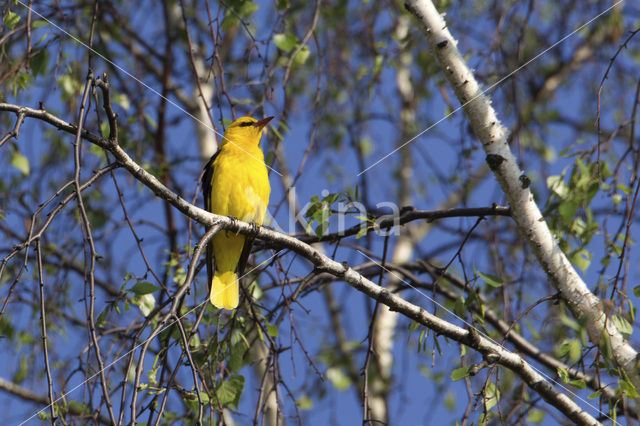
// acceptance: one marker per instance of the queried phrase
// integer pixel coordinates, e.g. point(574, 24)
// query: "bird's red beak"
point(261, 123)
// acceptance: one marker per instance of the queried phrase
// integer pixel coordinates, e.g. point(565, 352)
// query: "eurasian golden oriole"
point(236, 184)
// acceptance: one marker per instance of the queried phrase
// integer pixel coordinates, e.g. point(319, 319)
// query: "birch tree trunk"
point(584, 305)
point(384, 332)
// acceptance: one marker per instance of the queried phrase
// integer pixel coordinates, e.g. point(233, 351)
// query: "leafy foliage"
point(349, 83)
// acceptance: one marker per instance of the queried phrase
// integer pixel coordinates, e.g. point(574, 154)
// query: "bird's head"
point(245, 131)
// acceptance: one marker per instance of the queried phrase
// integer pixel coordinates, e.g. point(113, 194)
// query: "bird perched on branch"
point(236, 184)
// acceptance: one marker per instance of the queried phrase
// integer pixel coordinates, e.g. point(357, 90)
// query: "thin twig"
point(43, 329)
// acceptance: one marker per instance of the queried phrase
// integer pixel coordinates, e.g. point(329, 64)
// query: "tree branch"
point(495, 352)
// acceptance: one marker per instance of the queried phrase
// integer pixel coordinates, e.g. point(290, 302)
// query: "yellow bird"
point(235, 183)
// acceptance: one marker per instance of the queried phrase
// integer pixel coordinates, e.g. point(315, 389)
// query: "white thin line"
point(144, 341)
point(492, 86)
point(142, 83)
point(542, 373)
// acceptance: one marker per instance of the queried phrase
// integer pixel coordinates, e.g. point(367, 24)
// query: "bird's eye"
point(246, 123)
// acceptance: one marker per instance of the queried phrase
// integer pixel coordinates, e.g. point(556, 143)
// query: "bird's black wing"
point(206, 194)
point(246, 251)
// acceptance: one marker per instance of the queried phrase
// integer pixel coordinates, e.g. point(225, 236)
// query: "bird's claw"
point(234, 220)
point(254, 229)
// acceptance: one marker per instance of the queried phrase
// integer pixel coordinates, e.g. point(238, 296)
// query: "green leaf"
point(20, 162)
point(236, 358)
point(179, 276)
point(152, 122)
point(25, 338)
point(144, 287)
point(255, 291)
point(563, 374)
point(104, 130)
point(491, 396)
point(624, 188)
point(145, 303)
point(78, 407)
point(122, 100)
point(169, 418)
point(23, 370)
point(557, 185)
point(573, 348)
point(11, 20)
point(271, 157)
point(305, 403)
point(460, 373)
point(321, 228)
point(331, 198)
point(623, 325)
point(70, 87)
point(285, 42)
point(248, 8)
point(377, 64)
point(450, 401)
point(229, 391)
point(535, 416)
point(338, 379)
point(582, 259)
point(44, 416)
point(436, 342)
point(362, 232)
point(568, 210)
point(321, 215)
point(302, 56)
point(42, 39)
point(229, 21)
point(39, 24)
point(629, 388)
point(605, 171)
point(578, 384)
point(570, 322)
point(152, 374)
point(605, 345)
point(39, 62)
point(98, 218)
point(617, 198)
point(102, 318)
point(491, 280)
point(272, 330)
point(6, 328)
point(20, 81)
point(595, 395)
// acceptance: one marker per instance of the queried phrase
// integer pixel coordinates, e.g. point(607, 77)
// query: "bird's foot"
point(234, 220)
point(254, 229)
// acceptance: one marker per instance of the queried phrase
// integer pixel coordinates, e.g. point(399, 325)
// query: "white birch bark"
point(581, 301)
point(259, 355)
point(383, 336)
point(207, 138)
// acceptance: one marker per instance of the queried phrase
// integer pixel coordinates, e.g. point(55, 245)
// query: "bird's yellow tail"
point(224, 290)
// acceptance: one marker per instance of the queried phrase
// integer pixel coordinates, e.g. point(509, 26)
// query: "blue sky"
point(415, 399)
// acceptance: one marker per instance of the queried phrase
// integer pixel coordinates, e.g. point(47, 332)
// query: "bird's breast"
point(240, 186)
